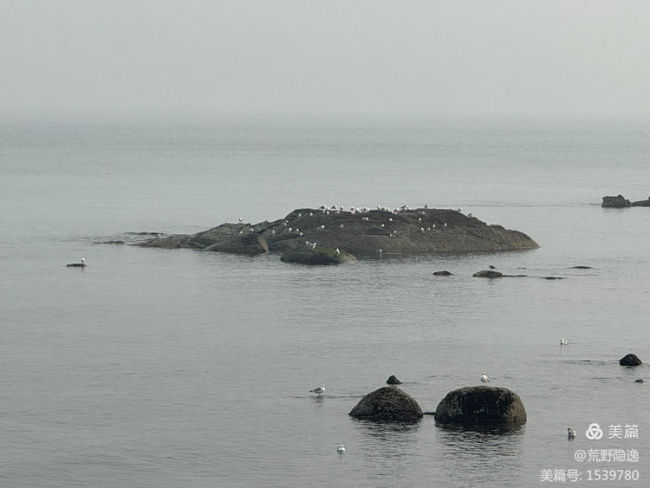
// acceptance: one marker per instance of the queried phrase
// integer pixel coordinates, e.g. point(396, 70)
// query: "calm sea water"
point(159, 368)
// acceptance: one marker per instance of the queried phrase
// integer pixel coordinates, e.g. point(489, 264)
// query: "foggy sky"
point(430, 58)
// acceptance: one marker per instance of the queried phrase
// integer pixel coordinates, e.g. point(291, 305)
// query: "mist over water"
point(180, 368)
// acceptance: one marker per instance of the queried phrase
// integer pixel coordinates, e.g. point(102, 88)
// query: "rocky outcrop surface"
point(641, 203)
point(619, 201)
point(387, 404)
point(630, 360)
point(481, 406)
point(315, 255)
point(367, 233)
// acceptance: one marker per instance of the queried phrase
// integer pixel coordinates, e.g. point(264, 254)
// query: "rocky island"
point(333, 235)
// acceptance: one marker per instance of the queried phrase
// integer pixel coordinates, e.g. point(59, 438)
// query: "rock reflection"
point(486, 454)
point(388, 448)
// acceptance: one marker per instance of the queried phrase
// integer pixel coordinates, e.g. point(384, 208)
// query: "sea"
point(181, 368)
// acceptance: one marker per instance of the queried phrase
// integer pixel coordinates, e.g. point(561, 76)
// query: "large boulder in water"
point(388, 404)
point(630, 360)
point(481, 406)
point(619, 201)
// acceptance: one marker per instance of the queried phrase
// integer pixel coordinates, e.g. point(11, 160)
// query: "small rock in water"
point(639, 380)
point(582, 267)
point(443, 273)
point(488, 273)
point(630, 360)
point(392, 380)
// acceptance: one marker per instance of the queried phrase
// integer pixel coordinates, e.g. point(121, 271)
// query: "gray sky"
point(397, 57)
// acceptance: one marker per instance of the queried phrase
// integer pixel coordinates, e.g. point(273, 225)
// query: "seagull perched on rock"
point(319, 390)
point(484, 378)
point(571, 434)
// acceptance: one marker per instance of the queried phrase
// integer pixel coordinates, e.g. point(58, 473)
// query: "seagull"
point(563, 341)
point(571, 434)
point(484, 378)
point(340, 449)
point(337, 251)
point(492, 267)
point(241, 219)
point(319, 390)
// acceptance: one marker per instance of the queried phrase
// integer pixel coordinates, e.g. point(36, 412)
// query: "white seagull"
point(319, 390)
point(484, 378)
point(340, 449)
point(563, 341)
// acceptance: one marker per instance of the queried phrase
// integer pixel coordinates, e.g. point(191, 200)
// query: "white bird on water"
point(340, 449)
point(484, 378)
point(571, 434)
point(563, 341)
point(319, 390)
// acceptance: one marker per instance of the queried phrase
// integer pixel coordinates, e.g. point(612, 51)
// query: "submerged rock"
point(639, 380)
point(443, 273)
point(619, 201)
point(488, 273)
point(392, 380)
point(630, 360)
point(480, 406)
point(387, 404)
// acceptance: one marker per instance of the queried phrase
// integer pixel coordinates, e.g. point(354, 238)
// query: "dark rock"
point(639, 380)
point(315, 256)
point(443, 273)
point(76, 265)
point(488, 273)
point(392, 380)
point(630, 360)
point(175, 241)
point(618, 201)
point(641, 203)
point(581, 267)
point(372, 234)
point(250, 243)
point(479, 406)
point(553, 277)
point(492, 267)
point(387, 404)
point(114, 242)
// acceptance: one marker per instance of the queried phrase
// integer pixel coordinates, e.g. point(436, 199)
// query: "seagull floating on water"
point(484, 378)
point(340, 449)
point(563, 341)
point(571, 434)
point(319, 390)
